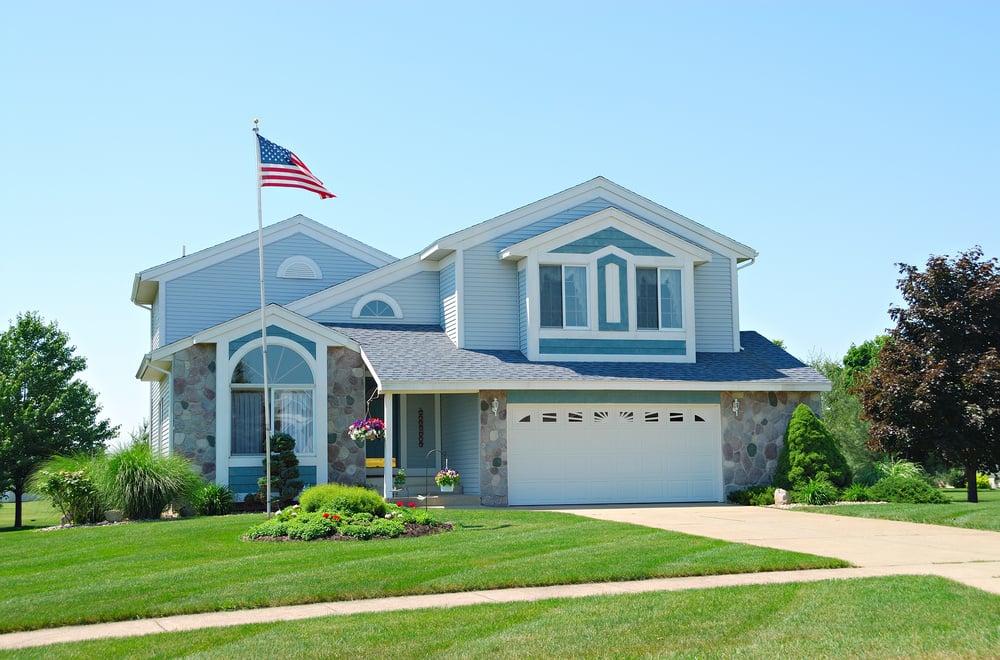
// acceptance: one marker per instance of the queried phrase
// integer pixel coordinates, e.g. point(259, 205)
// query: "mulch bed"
point(412, 530)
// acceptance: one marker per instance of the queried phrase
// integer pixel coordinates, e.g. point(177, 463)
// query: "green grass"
point(34, 514)
point(984, 515)
point(93, 574)
point(875, 618)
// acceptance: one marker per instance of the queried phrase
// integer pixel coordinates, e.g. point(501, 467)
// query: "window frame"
point(659, 300)
point(585, 297)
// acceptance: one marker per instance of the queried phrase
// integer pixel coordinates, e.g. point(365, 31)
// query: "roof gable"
point(146, 283)
point(599, 187)
point(610, 228)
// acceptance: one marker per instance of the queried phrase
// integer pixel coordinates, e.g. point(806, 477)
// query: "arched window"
point(290, 380)
point(377, 306)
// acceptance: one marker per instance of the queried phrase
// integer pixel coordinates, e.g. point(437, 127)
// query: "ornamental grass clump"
point(142, 484)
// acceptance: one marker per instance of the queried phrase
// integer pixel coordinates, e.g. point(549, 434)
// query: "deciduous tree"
point(44, 408)
point(935, 389)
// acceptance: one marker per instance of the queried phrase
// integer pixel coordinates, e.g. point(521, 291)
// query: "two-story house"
point(585, 348)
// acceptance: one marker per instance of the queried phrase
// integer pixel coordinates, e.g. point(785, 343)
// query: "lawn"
point(874, 618)
point(34, 514)
point(108, 573)
point(957, 513)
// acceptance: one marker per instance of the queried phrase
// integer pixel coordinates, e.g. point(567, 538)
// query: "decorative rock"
point(113, 516)
point(781, 497)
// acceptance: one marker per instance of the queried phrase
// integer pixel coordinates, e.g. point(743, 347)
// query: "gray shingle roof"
point(406, 354)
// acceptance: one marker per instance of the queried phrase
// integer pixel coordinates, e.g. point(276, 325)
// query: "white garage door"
point(591, 454)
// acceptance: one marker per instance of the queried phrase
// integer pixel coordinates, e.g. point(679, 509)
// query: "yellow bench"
point(378, 462)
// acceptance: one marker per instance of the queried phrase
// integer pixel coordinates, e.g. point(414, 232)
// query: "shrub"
point(143, 484)
point(816, 490)
point(753, 496)
point(296, 523)
point(905, 490)
point(67, 481)
point(856, 492)
point(892, 466)
point(956, 477)
point(213, 500)
point(342, 498)
point(284, 471)
point(808, 451)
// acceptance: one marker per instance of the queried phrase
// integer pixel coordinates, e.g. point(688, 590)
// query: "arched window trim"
point(295, 267)
point(397, 311)
point(310, 387)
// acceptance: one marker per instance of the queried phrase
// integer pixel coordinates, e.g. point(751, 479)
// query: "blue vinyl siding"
point(225, 290)
point(460, 431)
point(713, 305)
point(244, 479)
point(612, 347)
point(490, 299)
point(610, 396)
point(522, 311)
point(608, 237)
point(417, 295)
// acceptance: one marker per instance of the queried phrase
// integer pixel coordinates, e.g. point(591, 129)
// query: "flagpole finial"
point(255, 122)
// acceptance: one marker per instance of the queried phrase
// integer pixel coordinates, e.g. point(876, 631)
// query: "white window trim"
point(397, 311)
point(589, 270)
point(634, 301)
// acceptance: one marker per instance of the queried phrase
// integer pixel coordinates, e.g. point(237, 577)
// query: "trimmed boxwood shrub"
point(809, 450)
point(339, 497)
point(906, 490)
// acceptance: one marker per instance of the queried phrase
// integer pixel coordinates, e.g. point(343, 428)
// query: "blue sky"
point(836, 138)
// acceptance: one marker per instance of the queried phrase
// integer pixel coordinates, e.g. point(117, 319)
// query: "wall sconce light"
point(736, 407)
point(495, 406)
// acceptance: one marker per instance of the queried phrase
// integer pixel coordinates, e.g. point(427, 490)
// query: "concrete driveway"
point(887, 547)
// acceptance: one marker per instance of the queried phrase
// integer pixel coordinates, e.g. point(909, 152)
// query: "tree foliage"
point(809, 452)
point(842, 415)
point(44, 408)
point(935, 389)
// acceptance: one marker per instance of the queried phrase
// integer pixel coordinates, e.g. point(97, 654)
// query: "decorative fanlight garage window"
point(292, 400)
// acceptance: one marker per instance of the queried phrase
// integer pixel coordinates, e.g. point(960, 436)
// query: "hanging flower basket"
point(367, 430)
point(447, 479)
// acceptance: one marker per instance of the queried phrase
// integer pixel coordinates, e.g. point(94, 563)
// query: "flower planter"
point(447, 489)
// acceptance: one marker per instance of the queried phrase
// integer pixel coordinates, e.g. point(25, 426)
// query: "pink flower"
point(399, 504)
point(412, 505)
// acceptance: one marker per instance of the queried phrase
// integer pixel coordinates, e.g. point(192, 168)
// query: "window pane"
point(248, 422)
point(670, 299)
point(576, 296)
point(550, 296)
point(283, 364)
point(647, 311)
point(293, 415)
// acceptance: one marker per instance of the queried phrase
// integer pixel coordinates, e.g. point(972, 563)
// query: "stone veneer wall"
point(492, 449)
point(345, 404)
point(193, 419)
point(753, 438)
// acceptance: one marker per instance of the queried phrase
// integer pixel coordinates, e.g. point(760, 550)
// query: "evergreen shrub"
point(808, 451)
point(906, 490)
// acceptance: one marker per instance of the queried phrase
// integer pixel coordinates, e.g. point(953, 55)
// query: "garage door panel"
point(614, 453)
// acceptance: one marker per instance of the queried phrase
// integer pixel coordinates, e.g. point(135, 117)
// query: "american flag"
point(280, 167)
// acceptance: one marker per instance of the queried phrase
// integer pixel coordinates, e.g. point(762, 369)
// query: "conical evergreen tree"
point(809, 449)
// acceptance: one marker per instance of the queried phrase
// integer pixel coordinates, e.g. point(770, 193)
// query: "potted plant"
point(400, 479)
point(447, 479)
point(365, 430)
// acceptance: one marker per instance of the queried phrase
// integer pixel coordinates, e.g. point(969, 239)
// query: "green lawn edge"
point(111, 573)
point(897, 616)
point(984, 515)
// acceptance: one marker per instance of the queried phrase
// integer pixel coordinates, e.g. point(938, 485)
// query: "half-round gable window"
point(377, 306)
point(299, 267)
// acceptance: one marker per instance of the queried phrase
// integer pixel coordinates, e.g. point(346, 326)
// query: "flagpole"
point(263, 331)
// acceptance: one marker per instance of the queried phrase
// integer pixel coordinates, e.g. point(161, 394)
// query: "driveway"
point(887, 547)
